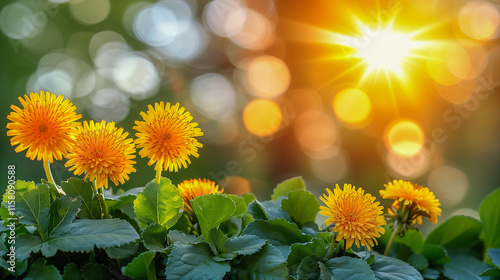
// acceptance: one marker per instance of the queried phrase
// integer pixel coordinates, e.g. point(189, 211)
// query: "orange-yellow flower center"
point(42, 128)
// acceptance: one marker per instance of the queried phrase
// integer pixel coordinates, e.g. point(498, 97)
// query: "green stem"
point(332, 245)
point(102, 200)
point(158, 175)
point(46, 167)
point(398, 225)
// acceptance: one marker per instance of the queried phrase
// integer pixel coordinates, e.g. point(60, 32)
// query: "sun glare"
point(385, 50)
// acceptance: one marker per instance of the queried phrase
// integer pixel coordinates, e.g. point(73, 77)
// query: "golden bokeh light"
point(479, 20)
point(408, 167)
point(449, 184)
point(315, 131)
point(448, 64)
point(236, 185)
point(268, 76)
point(352, 107)
point(262, 117)
point(404, 138)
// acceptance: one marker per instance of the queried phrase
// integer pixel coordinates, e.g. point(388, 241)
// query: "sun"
point(385, 51)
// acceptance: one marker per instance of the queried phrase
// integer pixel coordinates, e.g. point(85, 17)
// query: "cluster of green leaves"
point(149, 236)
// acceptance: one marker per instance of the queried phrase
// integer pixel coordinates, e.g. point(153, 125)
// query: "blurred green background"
point(217, 58)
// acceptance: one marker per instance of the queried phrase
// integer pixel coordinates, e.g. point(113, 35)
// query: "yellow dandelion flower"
point(190, 189)
point(166, 136)
point(417, 200)
point(44, 126)
point(102, 151)
point(357, 217)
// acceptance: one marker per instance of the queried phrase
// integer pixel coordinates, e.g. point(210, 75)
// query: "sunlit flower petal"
point(190, 189)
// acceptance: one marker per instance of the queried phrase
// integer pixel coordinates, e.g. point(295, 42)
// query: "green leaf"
point(40, 271)
point(117, 202)
point(413, 239)
point(457, 231)
point(248, 197)
point(239, 202)
point(161, 204)
point(177, 236)
point(301, 205)
point(387, 268)
point(243, 245)
point(418, 261)
point(211, 210)
point(348, 268)
point(94, 271)
point(71, 272)
point(280, 233)
point(267, 210)
point(90, 205)
point(431, 274)
point(216, 240)
point(268, 263)
point(436, 255)
point(494, 254)
point(154, 237)
point(192, 261)
point(26, 244)
point(310, 268)
point(316, 247)
point(489, 214)
point(3, 248)
point(33, 206)
point(122, 252)
point(142, 267)
point(283, 188)
point(21, 187)
point(463, 266)
point(491, 272)
point(82, 235)
point(63, 211)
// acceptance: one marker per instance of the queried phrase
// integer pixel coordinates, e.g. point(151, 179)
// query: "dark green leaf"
point(418, 261)
point(494, 254)
point(71, 272)
point(436, 255)
point(122, 252)
point(310, 268)
point(177, 236)
point(242, 245)
point(3, 248)
point(154, 237)
point(347, 268)
point(268, 263)
point(316, 247)
point(96, 271)
point(387, 268)
point(489, 214)
point(142, 267)
point(40, 271)
point(90, 204)
point(491, 272)
point(301, 205)
point(267, 210)
point(125, 198)
point(33, 206)
point(63, 211)
point(248, 197)
point(280, 233)
point(431, 274)
point(457, 231)
point(283, 188)
point(211, 210)
point(82, 235)
point(26, 244)
point(413, 239)
point(464, 267)
point(192, 261)
point(161, 204)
